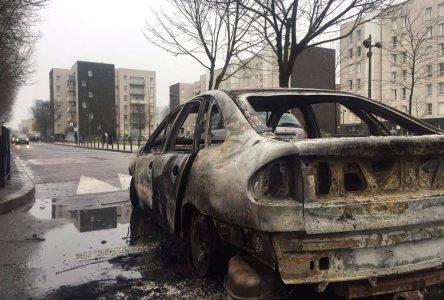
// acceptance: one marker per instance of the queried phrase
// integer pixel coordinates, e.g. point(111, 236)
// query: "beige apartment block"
point(58, 97)
point(135, 102)
point(392, 65)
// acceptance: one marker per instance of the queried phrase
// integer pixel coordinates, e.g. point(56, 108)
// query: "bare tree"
point(16, 43)
point(210, 32)
point(411, 46)
point(291, 26)
point(41, 113)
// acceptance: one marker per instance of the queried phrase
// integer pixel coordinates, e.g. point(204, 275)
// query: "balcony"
point(71, 88)
point(71, 109)
point(71, 99)
point(137, 82)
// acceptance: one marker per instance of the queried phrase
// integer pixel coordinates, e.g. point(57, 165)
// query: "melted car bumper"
point(350, 256)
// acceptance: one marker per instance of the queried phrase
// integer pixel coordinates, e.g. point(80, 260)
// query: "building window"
point(441, 69)
point(394, 76)
point(429, 51)
point(358, 51)
point(429, 71)
point(350, 53)
point(404, 21)
point(125, 97)
point(404, 57)
point(58, 88)
point(428, 13)
point(393, 59)
point(350, 84)
point(83, 83)
point(358, 68)
point(57, 78)
point(393, 94)
point(429, 108)
point(404, 92)
point(350, 38)
point(404, 75)
point(441, 9)
point(394, 41)
point(429, 32)
point(90, 73)
point(441, 29)
point(394, 24)
point(83, 104)
point(441, 49)
point(441, 88)
point(429, 90)
point(90, 94)
point(358, 35)
point(358, 83)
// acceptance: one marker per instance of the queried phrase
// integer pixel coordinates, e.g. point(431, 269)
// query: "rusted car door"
point(145, 160)
point(173, 164)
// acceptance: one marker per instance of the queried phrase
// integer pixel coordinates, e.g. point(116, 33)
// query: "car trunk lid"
point(355, 184)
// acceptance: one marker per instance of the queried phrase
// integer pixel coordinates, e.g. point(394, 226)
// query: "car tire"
point(202, 242)
point(134, 198)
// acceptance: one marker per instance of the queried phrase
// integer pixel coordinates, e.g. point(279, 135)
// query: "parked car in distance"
point(21, 139)
point(355, 209)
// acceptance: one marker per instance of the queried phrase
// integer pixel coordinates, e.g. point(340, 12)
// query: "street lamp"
point(368, 44)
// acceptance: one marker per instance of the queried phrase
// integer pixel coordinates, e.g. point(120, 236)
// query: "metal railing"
point(126, 144)
point(5, 156)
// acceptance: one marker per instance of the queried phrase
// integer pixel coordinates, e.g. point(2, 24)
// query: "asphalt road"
point(80, 238)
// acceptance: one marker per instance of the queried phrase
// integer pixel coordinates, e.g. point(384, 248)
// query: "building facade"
point(314, 68)
point(135, 102)
point(93, 98)
point(412, 55)
point(58, 100)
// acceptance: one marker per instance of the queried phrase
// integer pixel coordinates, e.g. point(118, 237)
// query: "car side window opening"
point(156, 145)
point(183, 138)
point(216, 128)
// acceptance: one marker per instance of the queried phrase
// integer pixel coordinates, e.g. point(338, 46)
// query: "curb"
point(21, 197)
point(102, 149)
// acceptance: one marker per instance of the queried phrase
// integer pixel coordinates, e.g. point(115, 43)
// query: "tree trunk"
point(284, 78)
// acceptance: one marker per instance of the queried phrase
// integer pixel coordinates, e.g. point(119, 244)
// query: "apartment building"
point(392, 65)
point(135, 102)
point(92, 98)
point(58, 100)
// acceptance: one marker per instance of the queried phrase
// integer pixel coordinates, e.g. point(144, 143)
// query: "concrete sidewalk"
point(19, 190)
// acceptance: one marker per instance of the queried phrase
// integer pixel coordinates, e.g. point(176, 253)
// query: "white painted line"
point(88, 185)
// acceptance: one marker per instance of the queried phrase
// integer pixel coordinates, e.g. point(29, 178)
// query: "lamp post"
point(368, 44)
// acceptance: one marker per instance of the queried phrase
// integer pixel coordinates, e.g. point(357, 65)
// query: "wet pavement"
point(81, 239)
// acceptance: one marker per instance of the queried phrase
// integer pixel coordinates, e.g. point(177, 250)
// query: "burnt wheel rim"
point(200, 245)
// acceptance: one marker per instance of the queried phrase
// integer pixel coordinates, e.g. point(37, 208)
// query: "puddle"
point(94, 245)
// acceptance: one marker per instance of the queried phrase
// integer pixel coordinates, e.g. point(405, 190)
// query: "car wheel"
point(203, 245)
point(133, 195)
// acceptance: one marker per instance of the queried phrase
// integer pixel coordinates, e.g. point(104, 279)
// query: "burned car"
point(360, 206)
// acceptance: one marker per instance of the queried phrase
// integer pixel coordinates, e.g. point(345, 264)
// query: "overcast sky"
point(108, 31)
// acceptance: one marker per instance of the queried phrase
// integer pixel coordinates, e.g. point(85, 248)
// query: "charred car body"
point(316, 210)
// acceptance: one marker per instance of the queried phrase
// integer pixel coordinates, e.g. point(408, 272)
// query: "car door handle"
point(175, 171)
point(150, 166)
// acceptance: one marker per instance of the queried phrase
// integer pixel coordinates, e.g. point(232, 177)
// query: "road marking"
point(88, 185)
point(125, 181)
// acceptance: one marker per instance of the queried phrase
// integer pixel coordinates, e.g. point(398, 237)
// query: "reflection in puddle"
point(42, 209)
point(94, 219)
point(101, 242)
